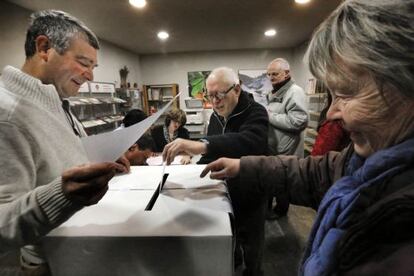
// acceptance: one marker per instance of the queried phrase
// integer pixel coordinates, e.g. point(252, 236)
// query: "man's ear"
point(287, 73)
point(237, 89)
point(43, 46)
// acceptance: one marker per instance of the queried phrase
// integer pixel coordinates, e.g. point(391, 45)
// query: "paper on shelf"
point(109, 146)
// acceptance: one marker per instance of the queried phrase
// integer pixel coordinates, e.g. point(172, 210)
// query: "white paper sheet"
point(109, 146)
point(183, 184)
point(188, 177)
point(164, 164)
point(148, 178)
point(214, 198)
point(140, 178)
point(157, 160)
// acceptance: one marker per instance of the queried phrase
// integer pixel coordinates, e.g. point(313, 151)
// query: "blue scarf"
point(337, 205)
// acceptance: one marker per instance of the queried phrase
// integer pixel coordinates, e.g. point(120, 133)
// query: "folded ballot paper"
point(109, 146)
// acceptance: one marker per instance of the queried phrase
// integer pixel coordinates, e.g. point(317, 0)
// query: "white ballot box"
point(187, 232)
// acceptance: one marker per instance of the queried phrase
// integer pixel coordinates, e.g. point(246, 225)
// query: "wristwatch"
point(206, 142)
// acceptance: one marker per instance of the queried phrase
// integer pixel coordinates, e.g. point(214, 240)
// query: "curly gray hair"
point(372, 36)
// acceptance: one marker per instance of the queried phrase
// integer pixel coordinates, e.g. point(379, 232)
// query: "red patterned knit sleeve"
point(331, 137)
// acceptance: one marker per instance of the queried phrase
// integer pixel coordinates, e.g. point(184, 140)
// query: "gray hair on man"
point(60, 28)
point(375, 37)
point(283, 63)
point(225, 75)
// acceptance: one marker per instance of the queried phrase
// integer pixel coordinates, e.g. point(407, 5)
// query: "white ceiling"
point(195, 25)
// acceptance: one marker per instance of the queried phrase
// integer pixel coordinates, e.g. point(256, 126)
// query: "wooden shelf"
point(154, 94)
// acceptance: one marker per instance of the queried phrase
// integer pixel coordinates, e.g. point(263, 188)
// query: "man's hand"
point(222, 168)
point(182, 146)
point(87, 184)
point(125, 163)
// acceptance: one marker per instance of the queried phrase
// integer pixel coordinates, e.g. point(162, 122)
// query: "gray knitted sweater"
point(37, 144)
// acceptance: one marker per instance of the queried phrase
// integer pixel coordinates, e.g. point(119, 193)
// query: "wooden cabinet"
point(158, 95)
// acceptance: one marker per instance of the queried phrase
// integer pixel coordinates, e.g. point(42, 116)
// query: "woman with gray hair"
point(364, 195)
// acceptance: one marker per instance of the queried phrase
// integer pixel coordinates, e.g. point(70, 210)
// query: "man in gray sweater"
point(45, 174)
point(287, 120)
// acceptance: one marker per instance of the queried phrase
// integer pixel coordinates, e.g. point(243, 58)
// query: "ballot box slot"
point(156, 193)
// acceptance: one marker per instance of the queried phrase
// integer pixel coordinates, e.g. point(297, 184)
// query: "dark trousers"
point(249, 214)
point(282, 204)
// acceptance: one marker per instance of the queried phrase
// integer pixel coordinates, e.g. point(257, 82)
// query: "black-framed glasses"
point(219, 95)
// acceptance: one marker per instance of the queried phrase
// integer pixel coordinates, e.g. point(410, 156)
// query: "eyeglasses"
point(219, 95)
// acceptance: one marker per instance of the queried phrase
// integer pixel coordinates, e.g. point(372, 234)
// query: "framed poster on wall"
point(255, 82)
point(197, 84)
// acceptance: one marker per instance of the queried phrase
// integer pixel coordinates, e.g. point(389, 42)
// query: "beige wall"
point(173, 68)
point(13, 22)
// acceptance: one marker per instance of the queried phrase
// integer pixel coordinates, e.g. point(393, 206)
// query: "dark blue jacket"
point(244, 133)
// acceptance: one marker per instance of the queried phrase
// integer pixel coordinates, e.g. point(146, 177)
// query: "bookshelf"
point(158, 95)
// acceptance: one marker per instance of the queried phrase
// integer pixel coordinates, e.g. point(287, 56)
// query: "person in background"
point(288, 119)
point(45, 174)
point(139, 152)
point(331, 134)
point(133, 116)
point(172, 129)
point(363, 52)
point(238, 127)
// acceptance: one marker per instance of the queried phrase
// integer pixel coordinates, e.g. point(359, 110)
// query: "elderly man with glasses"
point(288, 118)
point(238, 127)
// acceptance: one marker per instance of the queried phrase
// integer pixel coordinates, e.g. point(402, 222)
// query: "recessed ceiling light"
point(163, 35)
point(138, 3)
point(302, 1)
point(271, 32)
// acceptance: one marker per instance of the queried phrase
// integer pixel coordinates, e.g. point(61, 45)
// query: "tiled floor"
point(285, 241)
point(9, 264)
